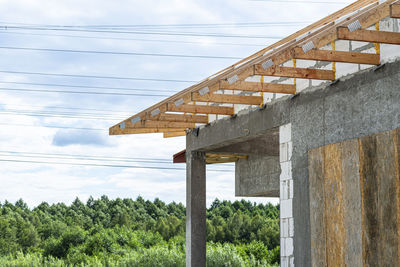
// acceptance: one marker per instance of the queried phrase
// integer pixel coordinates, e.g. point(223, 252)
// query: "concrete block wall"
point(286, 196)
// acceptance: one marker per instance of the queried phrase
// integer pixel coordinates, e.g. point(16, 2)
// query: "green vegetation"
point(126, 232)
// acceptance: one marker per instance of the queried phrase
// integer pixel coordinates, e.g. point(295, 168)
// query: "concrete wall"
point(257, 176)
point(362, 104)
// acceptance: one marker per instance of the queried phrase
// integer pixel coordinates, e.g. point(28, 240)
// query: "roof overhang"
point(192, 106)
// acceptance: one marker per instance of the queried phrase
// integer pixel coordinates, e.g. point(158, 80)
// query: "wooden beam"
point(182, 118)
point(161, 124)
point(369, 36)
point(213, 158)
point(316, 74)
point(119, 131)
point(173, 134)
point(201, 109)
point(395, 10)
point(260, 87)
point(217, 155)
point(337, 56)
point(227, 98)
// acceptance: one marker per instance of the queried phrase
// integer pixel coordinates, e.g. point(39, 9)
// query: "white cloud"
point(54, 183)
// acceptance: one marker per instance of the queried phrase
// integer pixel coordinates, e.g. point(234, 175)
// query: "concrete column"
point(195, 209)
point(286, 195)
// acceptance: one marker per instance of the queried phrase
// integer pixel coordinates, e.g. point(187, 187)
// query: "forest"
point(127, 232)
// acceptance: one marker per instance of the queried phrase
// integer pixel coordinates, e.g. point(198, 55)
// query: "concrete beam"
point(195, 209)
point(266, 144)
point(247, 125)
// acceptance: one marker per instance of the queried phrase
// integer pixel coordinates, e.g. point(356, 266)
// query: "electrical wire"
point(71, 108)
point(133, 39)
point(41, 161)
point(59, 116)
point(84, 156)
point(96, 76)
point(78, 92)
point(190, 25)
point(189, 34)
point(54, 126)
point(92, 87)
point(116, 53)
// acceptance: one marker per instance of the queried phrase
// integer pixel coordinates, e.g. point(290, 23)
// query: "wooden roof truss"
point(191, 107)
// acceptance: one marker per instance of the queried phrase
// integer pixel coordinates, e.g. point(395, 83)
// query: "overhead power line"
point(92, 87)
point(21, 113)
point(218, 35)
point(85, 156)
point(116, 53)
point(54, 126)
point(201, 42)
point(78, 92)
point(52, 113)
point(71, 108)
point(98, 165)
point(185, 25)
point(96, 76)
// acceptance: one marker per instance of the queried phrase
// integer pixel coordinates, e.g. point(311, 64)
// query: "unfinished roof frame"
point(170, 115)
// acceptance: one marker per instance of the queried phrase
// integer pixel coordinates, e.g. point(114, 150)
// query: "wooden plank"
point(220, 160)
point(337, 56)
point(369, 36)
point(369, 198)
point(119, 131)
point(387, 197)
point(379, 169)
point(173, 134)
point(395, 10)
point(201, 109)
point(215, 155)
point(334, 220)
point(162, 124)
point(303, 73)
point(227, 98)
point(317, 206)
point(351, 202)
point(181, 118)
point(260, 87)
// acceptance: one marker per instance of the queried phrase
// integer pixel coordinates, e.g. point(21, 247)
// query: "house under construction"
point(313, 119)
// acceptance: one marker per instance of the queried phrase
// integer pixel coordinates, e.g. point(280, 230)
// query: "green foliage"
point(126, 232)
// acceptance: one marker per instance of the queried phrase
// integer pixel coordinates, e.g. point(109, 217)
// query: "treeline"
point(126, 232)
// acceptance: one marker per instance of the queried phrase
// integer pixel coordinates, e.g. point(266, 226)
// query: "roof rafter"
point(291, 72)
point(316, 35)
point(337, 56)
point(226, 98)
point(119, 131)
point(395, 10)
point(173, 134)
point(203, 109)
point(369, 36)
point(259, 87)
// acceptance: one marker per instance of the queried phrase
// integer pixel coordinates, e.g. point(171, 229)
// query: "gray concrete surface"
point(195, 209)
point(361, 104)
point(257, 176)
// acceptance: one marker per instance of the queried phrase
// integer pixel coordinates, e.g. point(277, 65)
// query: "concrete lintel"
point(247, 125)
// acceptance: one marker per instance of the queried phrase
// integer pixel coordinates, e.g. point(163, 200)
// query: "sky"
point(71, 69)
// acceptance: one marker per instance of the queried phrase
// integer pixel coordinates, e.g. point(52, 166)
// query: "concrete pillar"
point(286, 195)
point(195, 209)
